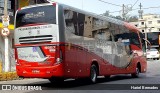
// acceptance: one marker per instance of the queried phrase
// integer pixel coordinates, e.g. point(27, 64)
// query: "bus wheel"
point(93, 74)
point(136, 74)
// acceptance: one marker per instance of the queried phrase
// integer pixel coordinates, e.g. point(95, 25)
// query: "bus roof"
point(106, 18)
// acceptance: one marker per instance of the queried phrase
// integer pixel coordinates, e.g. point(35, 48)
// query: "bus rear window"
point(34, 15)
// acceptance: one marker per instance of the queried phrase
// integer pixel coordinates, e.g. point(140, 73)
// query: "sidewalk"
point(7, 75)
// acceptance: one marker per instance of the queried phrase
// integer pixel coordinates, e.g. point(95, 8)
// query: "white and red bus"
point(56, 42)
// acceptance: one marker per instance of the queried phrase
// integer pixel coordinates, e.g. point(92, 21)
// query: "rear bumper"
point(40, 72)
point(153, 56)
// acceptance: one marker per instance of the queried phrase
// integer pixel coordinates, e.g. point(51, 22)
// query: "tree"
point(119, 17)
point(106, 13)
point(133, 19)
point(128, 18)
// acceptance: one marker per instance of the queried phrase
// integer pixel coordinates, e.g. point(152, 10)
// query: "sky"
point(99, 7)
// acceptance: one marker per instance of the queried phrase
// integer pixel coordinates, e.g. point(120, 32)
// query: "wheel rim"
point(93, 74)
point(137, 71)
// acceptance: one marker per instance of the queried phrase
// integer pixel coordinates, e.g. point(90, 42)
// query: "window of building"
point(149, 22)
point(158, 21)
point(155, 17)
point(142, 23)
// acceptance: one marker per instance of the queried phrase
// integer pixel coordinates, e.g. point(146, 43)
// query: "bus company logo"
point(29, 32)
point(38, 31)
point(34, 49)
point(6, 87)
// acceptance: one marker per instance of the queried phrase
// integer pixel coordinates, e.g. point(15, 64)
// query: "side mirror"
point(148, 44)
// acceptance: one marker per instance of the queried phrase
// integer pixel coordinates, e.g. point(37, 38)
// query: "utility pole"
point(140, 11)
point(5, 32)
point(146, 34)
point(123, 12)
point(140, 17)
point(82, 4)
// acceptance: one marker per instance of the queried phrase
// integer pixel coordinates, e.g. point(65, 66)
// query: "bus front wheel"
point(136, 74)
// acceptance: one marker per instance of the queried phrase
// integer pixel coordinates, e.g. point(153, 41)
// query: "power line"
point(136, 9)
point(148, 8)
point(134, 3)
point(140, 11)
point(110, 3)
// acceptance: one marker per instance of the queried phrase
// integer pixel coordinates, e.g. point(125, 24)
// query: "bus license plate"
point(35, 71)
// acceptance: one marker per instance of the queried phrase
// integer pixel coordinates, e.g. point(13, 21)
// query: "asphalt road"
point(116, 84)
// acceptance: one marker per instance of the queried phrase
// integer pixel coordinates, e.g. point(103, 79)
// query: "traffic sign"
point(5, 20)
point(5, 31)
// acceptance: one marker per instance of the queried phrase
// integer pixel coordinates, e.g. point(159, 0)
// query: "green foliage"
point(127, 18)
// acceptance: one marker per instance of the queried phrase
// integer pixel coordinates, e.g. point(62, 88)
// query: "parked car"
point(152, 54)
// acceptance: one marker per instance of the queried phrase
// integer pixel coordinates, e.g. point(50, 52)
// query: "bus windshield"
point(153, 38)
point(36, 15)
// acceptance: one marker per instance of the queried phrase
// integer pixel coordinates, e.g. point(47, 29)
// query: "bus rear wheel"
point(93, 74)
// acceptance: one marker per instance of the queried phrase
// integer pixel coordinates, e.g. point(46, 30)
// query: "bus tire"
point(93, 74)
point(136, 74)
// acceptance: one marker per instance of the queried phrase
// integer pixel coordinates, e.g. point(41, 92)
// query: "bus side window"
point(68, 15)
